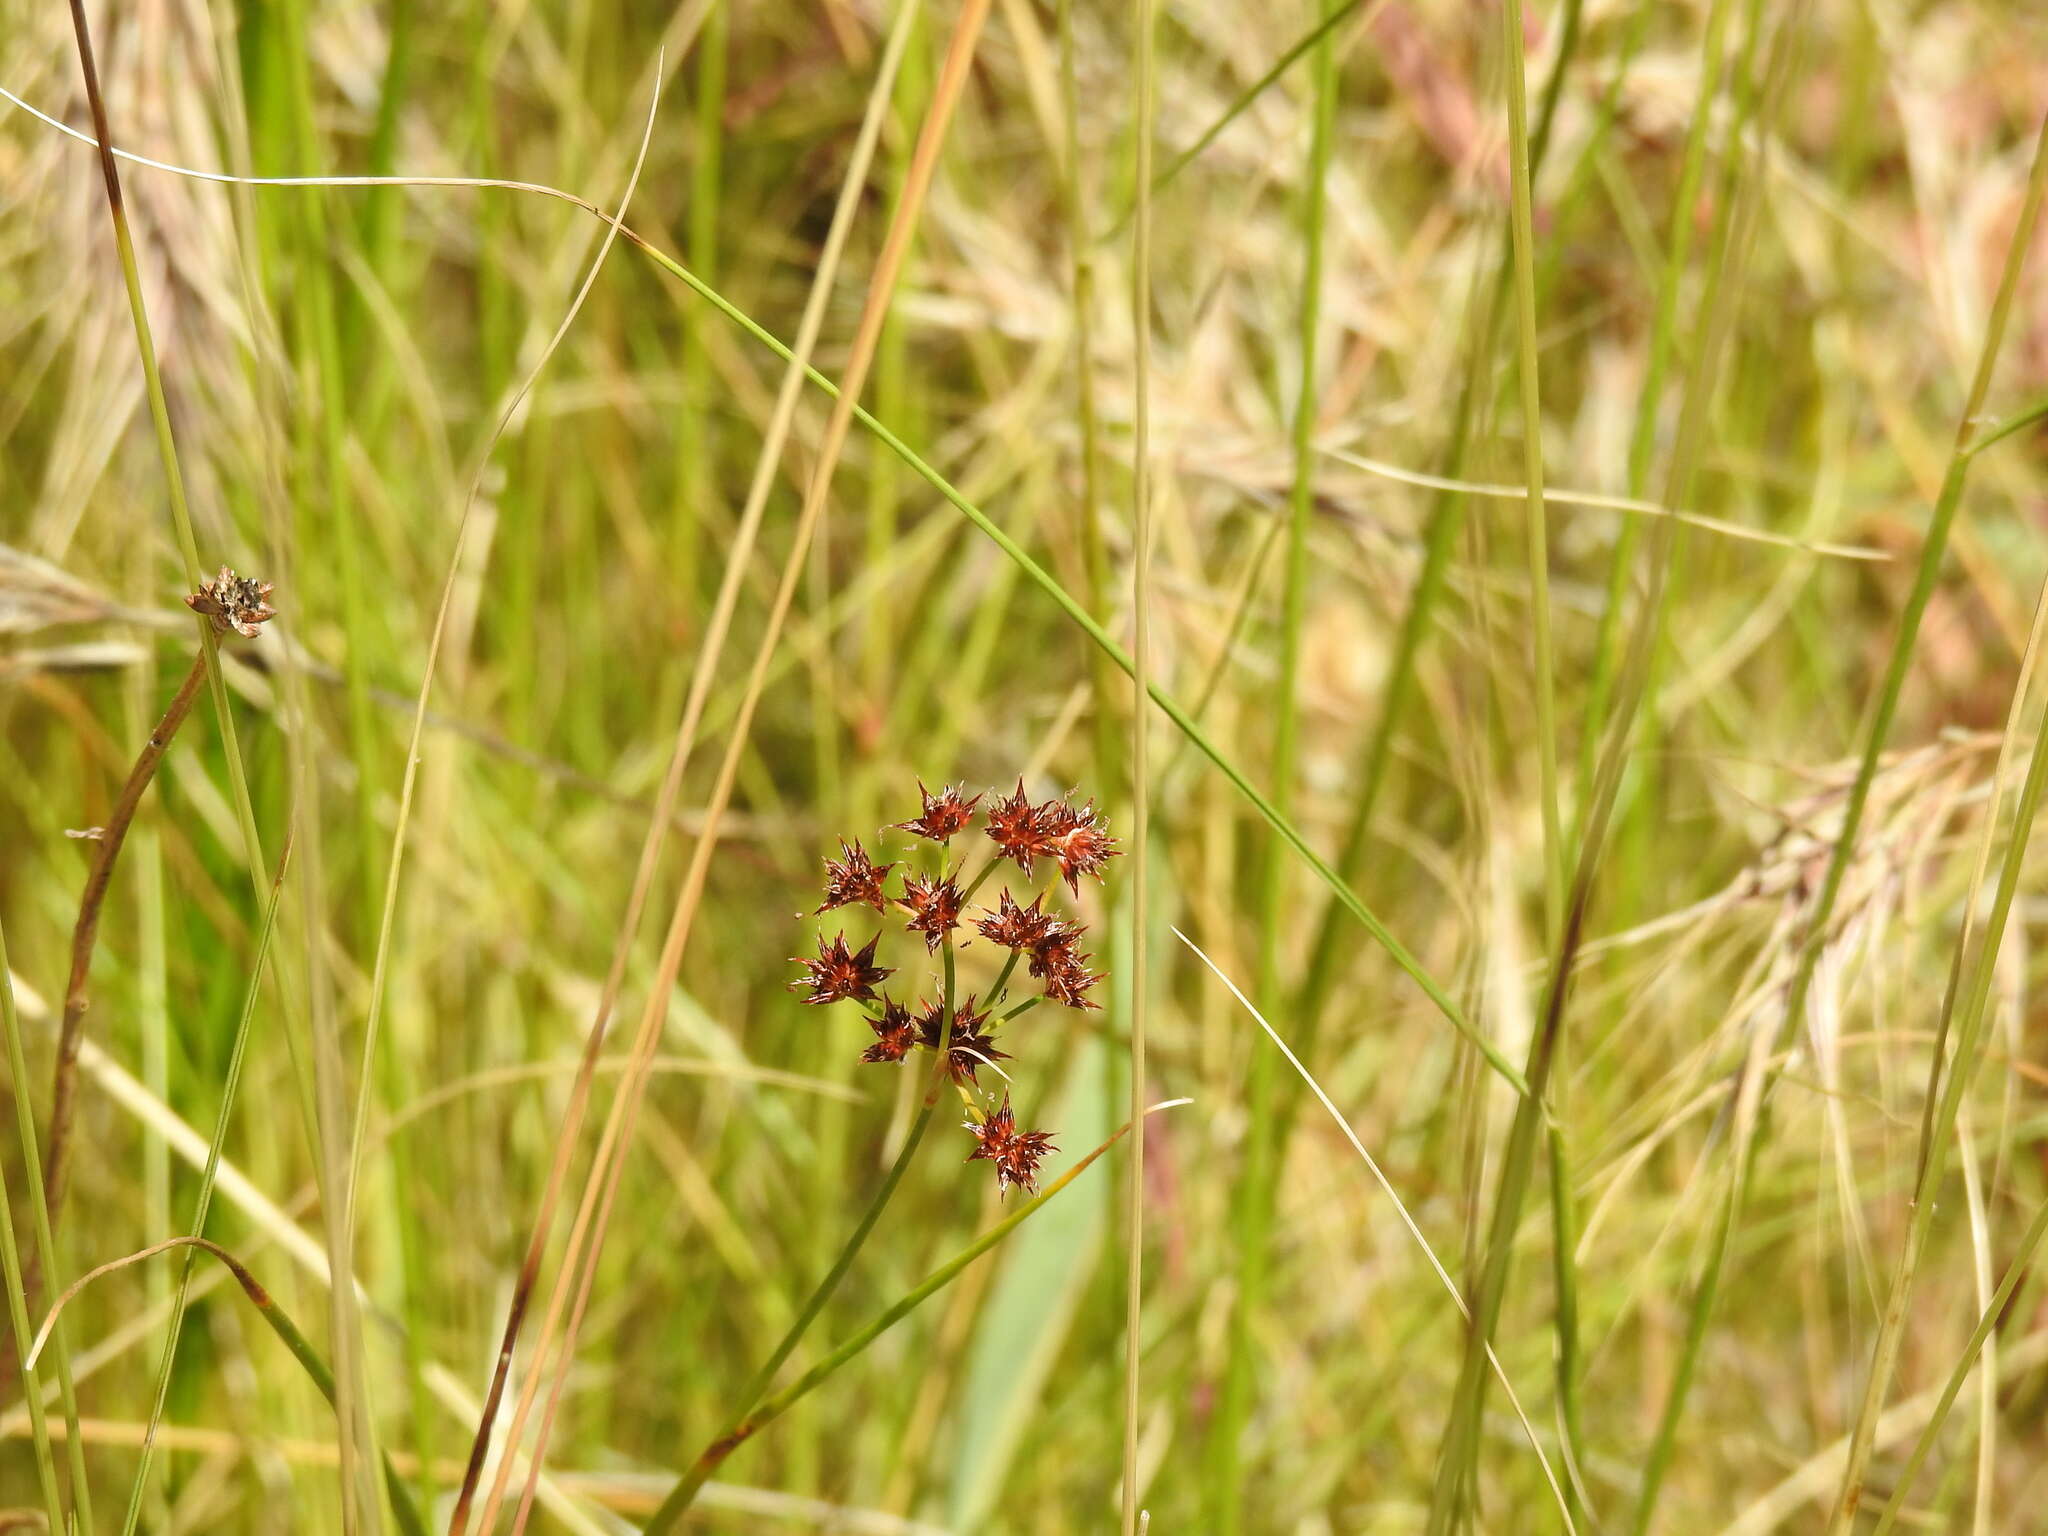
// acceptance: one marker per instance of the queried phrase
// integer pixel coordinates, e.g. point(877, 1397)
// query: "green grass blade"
point(10, 1257)
point(237, 1055)
point(1257, 1190)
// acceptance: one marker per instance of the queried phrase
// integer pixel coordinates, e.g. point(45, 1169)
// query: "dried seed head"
point(934, 905)
point(1016, 1154)
point(855, 878)
point(233, 603)
point(895, 1033)
point(1020, 830)
point(1078, 840)
point(840, 973)
point(969, 1048)
point(944, 813)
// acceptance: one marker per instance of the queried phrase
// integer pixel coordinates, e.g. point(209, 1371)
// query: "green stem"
point(1522, 221)
point(695, 480)
point(1095, 548)
point(237, 1053)
point(822, 1293)
point(684, 1494)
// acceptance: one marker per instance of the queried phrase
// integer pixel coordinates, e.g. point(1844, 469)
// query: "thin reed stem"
point(705, 669)
point(1258, 1188)
point(1543, 682)
point(1143, 493)
point(11, 1272)
point(609, 1163)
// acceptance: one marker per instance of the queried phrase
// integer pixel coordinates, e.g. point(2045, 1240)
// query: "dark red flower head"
point(839, 972)
point(1016, 927)
point(1020, 830)
point(969, 1048)
point(1078, 840)
point(895, 1033)
point(934, 904)
point(1016, 1154)
point(855, 879)
point(944, 813)
point(1067, 977)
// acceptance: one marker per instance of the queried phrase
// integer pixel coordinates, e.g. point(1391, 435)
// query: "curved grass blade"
point(280, 1323)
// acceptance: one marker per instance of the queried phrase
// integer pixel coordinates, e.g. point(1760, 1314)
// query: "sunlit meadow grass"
point(1617, 821)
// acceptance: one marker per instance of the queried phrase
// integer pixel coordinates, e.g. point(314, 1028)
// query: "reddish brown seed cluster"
point(1072, 836)
point(1016, 1154)
point(1044, 944)
point(1052, 943)
point(855, 879)
point(840, 973)
point(934, 905)
point(944, 814)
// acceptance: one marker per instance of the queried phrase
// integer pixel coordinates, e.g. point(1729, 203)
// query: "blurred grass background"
point(334, 361)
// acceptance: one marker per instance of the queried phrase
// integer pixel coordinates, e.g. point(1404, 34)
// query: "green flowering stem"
point(765, 1376)
point(685, 1492)
point(1026, 1006)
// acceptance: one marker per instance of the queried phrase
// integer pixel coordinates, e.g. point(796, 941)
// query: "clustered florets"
point(840, 973)
point(233, 603)
point(1072, 837)
point(944, 814)
point(1016, 1154)
point(855, 879)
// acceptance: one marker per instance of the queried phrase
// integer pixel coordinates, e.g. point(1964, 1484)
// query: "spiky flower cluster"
point(1076, 841)
point(234, 603)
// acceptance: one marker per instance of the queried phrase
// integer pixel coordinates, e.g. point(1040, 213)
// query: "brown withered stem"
point(84, 936)
point(85, 933)
point(233, 604)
